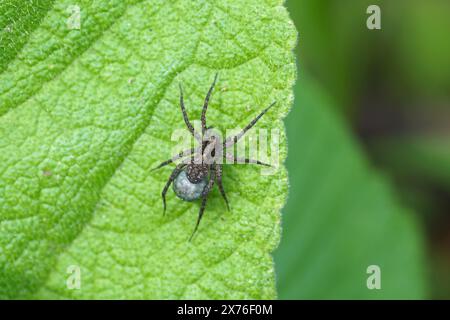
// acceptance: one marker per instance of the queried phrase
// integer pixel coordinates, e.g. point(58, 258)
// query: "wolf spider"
point(194, 177)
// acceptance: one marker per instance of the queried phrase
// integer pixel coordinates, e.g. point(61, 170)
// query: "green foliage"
point(341, 216)
point(424, 158)
point(85, 114)
point(420, 56)
point(335, 44)
point(18, 18)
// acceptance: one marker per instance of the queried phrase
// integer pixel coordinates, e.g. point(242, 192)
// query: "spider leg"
point(219, 184)
point(200, 215)
point(205, 104)
point(185, 117)
point(180, 155)
point(205, 193)
point(173, 175)
point(232, 140)
point(244, 160)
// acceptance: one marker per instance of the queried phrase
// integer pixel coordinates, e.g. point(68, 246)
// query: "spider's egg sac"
point(187, 190)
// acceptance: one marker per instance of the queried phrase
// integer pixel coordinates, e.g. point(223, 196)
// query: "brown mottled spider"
point(190, 177)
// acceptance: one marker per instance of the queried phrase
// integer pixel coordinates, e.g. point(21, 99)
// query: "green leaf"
point(336, 45)
point(424, 158)
point(85, 114)
point(342, 216)
point(17, 19)
point(420, 62)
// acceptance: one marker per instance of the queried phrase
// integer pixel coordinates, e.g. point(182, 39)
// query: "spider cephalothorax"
point(194, 177)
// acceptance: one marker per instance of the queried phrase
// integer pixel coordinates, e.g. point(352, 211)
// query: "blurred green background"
point(369, 152)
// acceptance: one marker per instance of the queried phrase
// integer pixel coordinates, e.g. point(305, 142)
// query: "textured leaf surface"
point(341, 216)
point(85, 114)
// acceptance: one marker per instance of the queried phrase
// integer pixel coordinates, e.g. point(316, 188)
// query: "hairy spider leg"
point(219, 184)
point(185, 117)
point(205, 105)
point(180, 155)
point(230, 157)
point(232, 140)
point(205, 193)
point(173, 175)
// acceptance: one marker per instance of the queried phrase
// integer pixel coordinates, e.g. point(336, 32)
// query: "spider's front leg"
point(232, 140)
point(205, 193)
point(186, 118)
point(230, 157)
point(205, 105)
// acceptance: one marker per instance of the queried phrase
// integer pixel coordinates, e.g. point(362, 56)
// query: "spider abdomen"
point(185, 189)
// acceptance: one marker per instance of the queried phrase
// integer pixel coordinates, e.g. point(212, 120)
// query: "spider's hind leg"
point(205, 194)
point(219, 184)
point(172, 177)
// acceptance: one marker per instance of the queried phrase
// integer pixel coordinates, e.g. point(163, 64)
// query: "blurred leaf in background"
point(335, 45)
point(392, 86)
point(418, 32)
point(341, 216)
point(425, 158)
point(421, 166)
